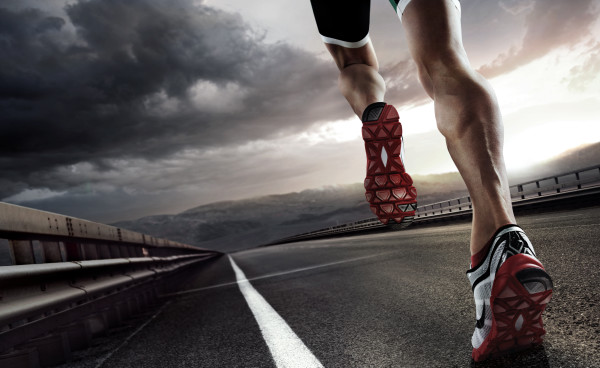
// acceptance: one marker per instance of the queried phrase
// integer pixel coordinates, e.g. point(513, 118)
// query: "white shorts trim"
point(350, 45)
point(403, 3)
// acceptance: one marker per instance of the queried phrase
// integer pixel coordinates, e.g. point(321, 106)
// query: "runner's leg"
point(359, 79)
point(344, 27)
point(466, 111)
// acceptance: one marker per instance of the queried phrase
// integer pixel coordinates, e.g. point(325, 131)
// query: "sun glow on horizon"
point(523, 150)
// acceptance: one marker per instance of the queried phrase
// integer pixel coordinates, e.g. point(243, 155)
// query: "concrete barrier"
point(64, 280)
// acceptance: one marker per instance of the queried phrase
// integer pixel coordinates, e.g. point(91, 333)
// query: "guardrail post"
point(52, 251)
point(459, 207)
point(63, 250)
point(7, 256)
point(556, 182)
point(577, 177)
point(23, 251)
point(537, 185)
point(104, 251)
point(38, 252)
point(520, 190)
point(114, 315)
point(73, 251)
point(78, 335)
point(115, 251)
point(90, 251)
point(97, 324)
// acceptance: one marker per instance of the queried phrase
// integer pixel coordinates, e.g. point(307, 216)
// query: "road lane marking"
point(107, 356)
point(275, 274)
point(287, 349)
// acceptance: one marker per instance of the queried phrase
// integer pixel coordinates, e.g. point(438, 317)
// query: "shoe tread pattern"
point(389, 189)
point(519, 293)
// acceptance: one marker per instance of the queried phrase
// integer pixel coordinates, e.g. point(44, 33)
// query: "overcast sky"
point(116, 109)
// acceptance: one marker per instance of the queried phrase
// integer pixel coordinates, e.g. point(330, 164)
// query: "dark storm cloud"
point(549, 24)
point(144, 79)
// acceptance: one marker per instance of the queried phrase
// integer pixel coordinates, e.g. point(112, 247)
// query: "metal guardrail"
point(64, 278)
point(568, 182)
point(30, 236)
point(525, 193)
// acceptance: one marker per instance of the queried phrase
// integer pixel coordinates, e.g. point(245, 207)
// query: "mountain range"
point(234, 225)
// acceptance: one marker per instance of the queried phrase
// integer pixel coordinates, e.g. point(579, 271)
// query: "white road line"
point(274, 274)
point(286, 347)
point(111, 353)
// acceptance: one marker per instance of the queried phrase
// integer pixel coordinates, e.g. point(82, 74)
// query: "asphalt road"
point(396, 299)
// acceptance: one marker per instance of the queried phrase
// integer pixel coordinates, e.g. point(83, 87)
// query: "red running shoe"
point(390, 192)
point(511, 290)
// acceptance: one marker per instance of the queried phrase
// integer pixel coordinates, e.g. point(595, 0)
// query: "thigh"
point(433, 31)
point(344, 27)
point(400, 6)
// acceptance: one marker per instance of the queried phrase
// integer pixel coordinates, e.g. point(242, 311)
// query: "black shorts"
point(346, 22)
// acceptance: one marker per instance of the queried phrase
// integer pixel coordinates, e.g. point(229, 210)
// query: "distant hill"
point(241, 224)
point(250, 222)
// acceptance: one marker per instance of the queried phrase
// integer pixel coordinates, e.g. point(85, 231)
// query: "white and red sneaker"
point(511, 290)
point(389, 188)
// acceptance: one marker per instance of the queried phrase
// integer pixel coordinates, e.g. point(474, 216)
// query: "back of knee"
point(345, 57)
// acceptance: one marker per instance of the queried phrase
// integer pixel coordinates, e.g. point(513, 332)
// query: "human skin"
point(466, 109)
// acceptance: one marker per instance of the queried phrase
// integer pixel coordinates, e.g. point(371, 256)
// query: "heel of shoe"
point(517, 315)
point(535, 280)
point(522, 290)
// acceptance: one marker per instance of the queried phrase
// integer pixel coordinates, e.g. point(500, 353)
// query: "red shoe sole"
point(516, 313)
point(389, 188)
